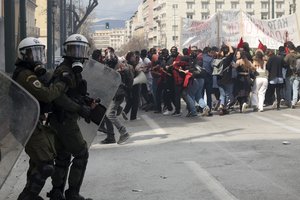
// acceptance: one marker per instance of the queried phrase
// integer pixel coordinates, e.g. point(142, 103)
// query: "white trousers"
point(258, 92)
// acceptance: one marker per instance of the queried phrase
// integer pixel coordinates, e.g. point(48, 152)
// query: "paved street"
point(239, 156)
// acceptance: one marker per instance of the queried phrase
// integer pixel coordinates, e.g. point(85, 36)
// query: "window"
point(190, 5)
point(175, 28)
point(219, 5)
point(205, 15)
point(249, 5)
point(279, 14)
point(163, 15)
point(264, 5)
point(175, 38)
point(264, 15)
point(175, 6)
point(279, 5)
point(234, 5)
point(204, 5)
point(189, 16)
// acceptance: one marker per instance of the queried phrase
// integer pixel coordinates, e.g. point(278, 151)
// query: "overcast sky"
point(116, 9)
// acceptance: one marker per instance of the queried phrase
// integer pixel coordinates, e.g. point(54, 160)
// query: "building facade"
point(32, 29)
point(163, 29)
point(114, 38)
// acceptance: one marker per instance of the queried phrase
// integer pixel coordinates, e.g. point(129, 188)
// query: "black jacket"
point(274, 66)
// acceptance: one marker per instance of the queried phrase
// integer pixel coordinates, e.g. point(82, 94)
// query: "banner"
point(230, 26)
point(200, 33)
point(272, 33)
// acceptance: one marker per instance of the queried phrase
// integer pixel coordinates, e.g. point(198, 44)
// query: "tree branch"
point(89, 9)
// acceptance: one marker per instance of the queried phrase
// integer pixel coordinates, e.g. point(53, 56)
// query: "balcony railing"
point(190, 10)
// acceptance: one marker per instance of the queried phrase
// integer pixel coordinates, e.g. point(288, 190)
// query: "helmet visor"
point(34, 54)
point(77, 50)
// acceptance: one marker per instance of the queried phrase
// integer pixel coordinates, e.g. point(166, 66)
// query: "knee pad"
point(63, 160)
point(46, 170)
point(80, 159)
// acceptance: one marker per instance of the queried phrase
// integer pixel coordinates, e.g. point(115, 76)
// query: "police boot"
point(74, 195)
point(27, 195)
point(36, 182)
point(55, 194)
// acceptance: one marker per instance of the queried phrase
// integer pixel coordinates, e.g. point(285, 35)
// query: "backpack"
point(218, 67)
point(297, 66)
point(198, 72)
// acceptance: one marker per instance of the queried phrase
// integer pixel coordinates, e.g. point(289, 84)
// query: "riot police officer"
point(29, 73)
point(64, 118)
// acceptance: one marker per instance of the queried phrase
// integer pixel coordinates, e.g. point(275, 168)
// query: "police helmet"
point(31, 50)
point(76, 47)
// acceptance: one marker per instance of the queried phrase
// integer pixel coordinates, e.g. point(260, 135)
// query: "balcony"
point(280, 10)
point(33, 31)
point(190, 1)
point(205, 10)
point(190, 10)
point(249, 10)
point(264, 10)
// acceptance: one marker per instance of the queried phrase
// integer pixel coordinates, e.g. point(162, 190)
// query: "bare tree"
point(137, 43)
point(89, 9)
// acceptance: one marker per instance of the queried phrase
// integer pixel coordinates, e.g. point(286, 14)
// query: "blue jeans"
point(295, 80)
point(226, 94)
point(112, 118)
point(208, 87)
point(195, 94)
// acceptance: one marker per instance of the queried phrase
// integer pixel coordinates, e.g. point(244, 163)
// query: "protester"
point(260, 83)
point(274, 66)
point(243, 82)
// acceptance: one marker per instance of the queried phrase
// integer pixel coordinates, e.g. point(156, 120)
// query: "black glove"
point(66, 78)
point(85, 112)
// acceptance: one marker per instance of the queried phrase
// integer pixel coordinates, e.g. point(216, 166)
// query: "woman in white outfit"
point(261, 81)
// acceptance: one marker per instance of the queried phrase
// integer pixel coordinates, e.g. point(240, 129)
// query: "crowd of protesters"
point(213, 80)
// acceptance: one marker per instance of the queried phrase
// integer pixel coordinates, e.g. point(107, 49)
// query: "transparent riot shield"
point(19, 113)
point(103, 83)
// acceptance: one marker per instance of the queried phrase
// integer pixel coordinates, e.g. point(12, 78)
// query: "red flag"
point(190, 50)
point(261, 46)
point(240, 44)
point(286, 50)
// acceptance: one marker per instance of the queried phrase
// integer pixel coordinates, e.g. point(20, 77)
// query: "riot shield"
point(103, 83)
point(19, 113)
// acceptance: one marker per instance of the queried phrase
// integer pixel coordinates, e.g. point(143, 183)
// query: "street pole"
point(61, 15)
point(174, 23)
point(9, 35)
point(65, 20)
point(273, 9)
point(23, 19)
point(49, 33)
point(71, 17)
